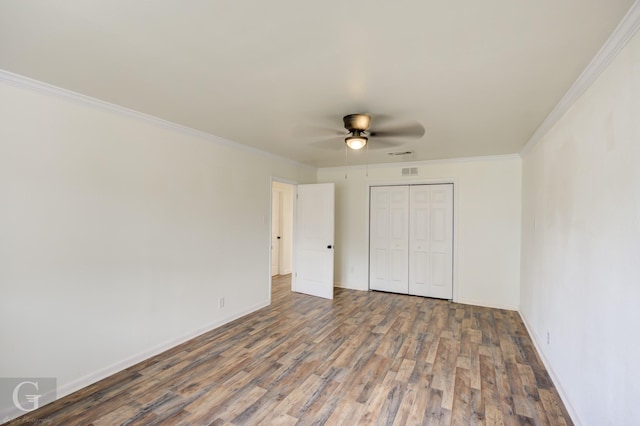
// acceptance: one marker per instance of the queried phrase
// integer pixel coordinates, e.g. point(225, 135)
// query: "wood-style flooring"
point(363, 358)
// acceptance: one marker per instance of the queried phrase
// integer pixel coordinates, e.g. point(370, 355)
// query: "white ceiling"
point(480, 76)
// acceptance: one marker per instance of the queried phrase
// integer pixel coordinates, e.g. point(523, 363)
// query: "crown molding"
point(29, 83)
point(618, 39)
point(424, 162)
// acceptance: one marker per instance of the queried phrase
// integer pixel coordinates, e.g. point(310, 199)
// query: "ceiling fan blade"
point(380, 120)
point(409, 130)
point(380, 144)
point(313, 130)
point(334, 143)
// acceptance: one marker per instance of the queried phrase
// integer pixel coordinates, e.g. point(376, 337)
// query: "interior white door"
point(389, 239)
point(313, 273)
point(276, 203)
point(431, 241)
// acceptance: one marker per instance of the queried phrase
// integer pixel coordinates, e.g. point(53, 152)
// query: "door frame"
point(297, 254)
point(425, 181)
point(268, 220)
point(279, 194)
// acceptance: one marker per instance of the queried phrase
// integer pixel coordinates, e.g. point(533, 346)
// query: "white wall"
point(487, 229)
point(581, 247)
point(118, 235)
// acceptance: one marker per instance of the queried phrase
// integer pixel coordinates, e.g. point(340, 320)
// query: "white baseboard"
point(346, 286)
point(462, 301)
point(554, 377)
point(68, 388)
point(486, 304)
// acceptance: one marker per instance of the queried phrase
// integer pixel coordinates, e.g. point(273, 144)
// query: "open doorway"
point(311, 207)
point(281, 228)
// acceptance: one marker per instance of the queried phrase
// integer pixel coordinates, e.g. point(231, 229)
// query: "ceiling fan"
point(362, 127)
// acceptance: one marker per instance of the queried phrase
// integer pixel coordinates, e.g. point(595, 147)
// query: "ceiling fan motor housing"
point(356, 122)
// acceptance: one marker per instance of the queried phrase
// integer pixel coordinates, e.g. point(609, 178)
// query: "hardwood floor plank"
point(520, 403)
point(422, 375)
point(306, 388)
point(318, 400)
point(461, 411)
point(433, 414)
point(494, 415)
point(404, 409)
point(346, 413)
point(363, 358)
point(553, 408)
point(528, 380)
point(377, 407)
point(406, 370)
point(477, 407)
point(236, 405)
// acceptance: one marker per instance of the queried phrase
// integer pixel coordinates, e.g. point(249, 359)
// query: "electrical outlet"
point(221, 302)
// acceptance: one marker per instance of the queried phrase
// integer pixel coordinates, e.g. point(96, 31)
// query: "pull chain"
point(367, 160)
point(346, 160)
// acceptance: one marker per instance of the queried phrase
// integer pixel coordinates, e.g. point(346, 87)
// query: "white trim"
point(475, 302)
point(424, 162)
point(554, 377)
point(618, 39)
point(283, 180)
point(294, 192)
point(96, 376)
point(28, 83)
point(293, 183)
point(339, 284)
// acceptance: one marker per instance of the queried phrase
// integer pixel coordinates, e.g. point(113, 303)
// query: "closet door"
point(431, 241)
point(389, 239)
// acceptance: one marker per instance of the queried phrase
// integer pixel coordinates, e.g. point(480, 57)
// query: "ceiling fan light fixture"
point(356, 142)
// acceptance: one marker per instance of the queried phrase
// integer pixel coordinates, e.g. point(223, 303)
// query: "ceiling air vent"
point(409, 171)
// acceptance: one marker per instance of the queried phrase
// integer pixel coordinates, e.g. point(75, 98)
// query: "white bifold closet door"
point(411, 240)
point(431, 241)
point(389, 239)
